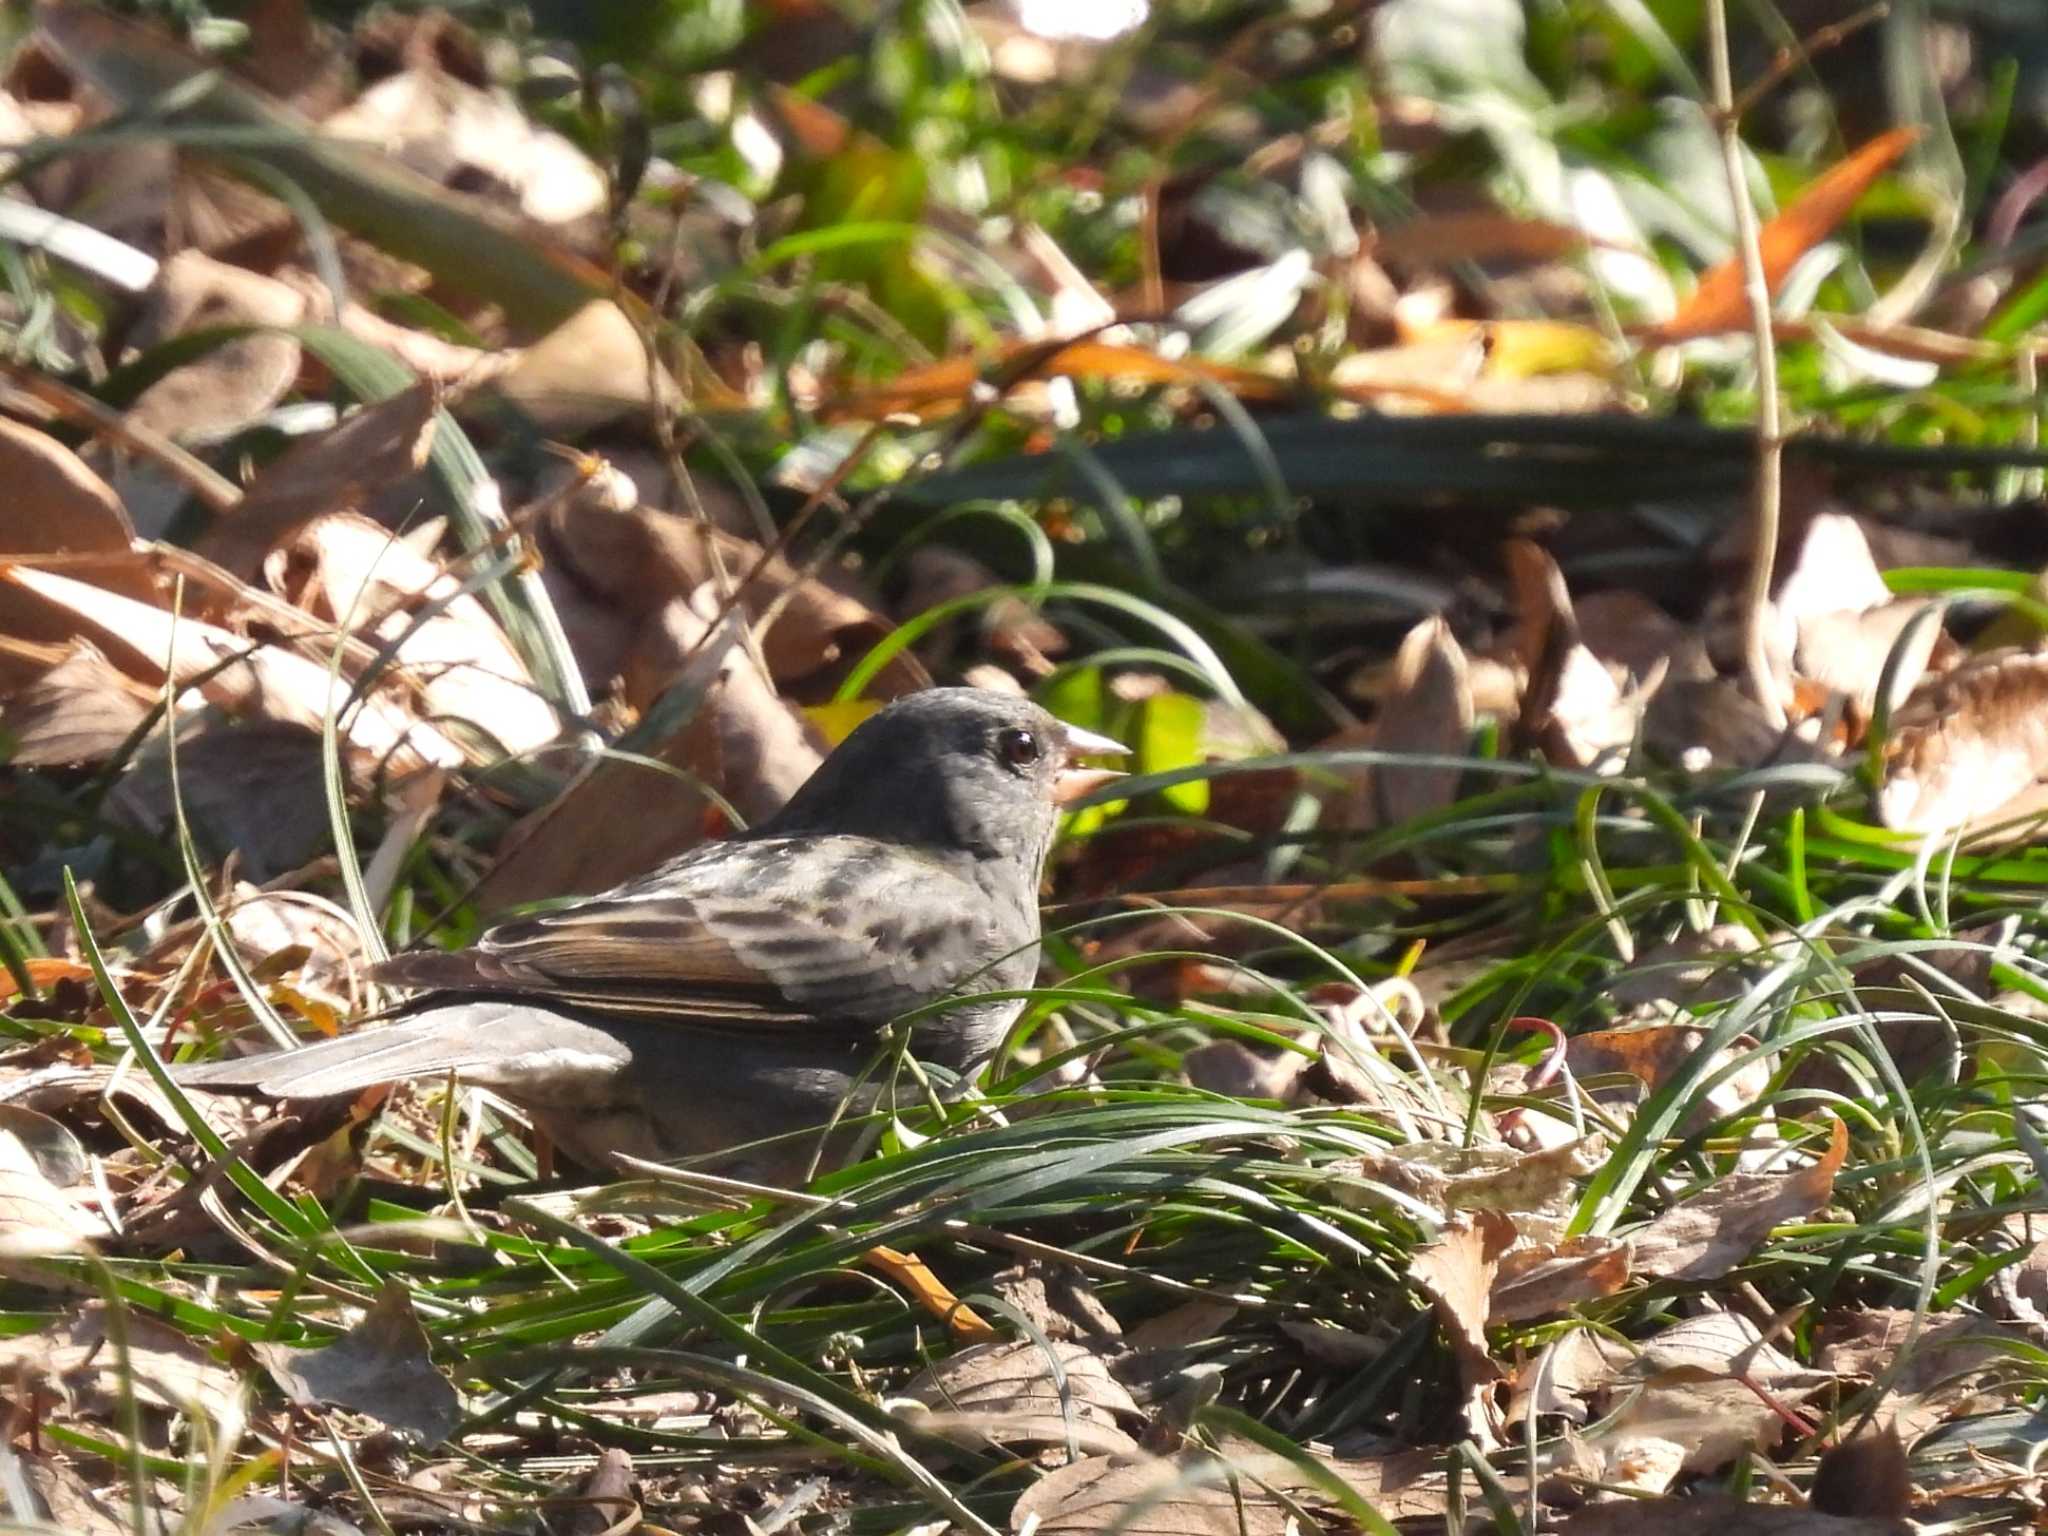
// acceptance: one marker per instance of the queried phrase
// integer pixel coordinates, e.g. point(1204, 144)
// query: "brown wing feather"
point(742, 935)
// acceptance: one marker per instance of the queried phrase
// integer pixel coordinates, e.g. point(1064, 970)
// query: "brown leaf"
point(1953, 1359)
point(1008, 1394)
point(623, 818)
point(449, 646)
point(1716, 1516)
point(1480, 235)
point(1194, 1494)
point(78, 711)
point(1233, 1068)
point(1457, 1273)
point(255, 788)
point(592, 368)
point(1967, 742)
point(58, 507)
point(380, 1367)
point(1573, 707)
point(1450, 1179)
point(371, 448)
point(938, 389)
point(81, 1362)
point(1428, 713)
point(216, 396)
point(1706, 1236)
point(642, 560)
point(1652, 1054)
point(1718, 304)
point(1544, 1278)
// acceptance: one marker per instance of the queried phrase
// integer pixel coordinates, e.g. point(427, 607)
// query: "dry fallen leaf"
point(449, 646)
point(82, 1363)
point(216, 396)
point(78, 710)
point(1954, 1358)
point(1716, 1516)
point(370, 448)
point(1427, 712)
point(263, 680)
point(1008, 1393)
point(1541, 1278)
point(1718, 304)
point(1651, 1054)
point(1966, 743)
point(380, 1367)
point(622, 818)
point(1704, 1237)
point(1195, 1494)
point(1698, 1394)
point(641, 560)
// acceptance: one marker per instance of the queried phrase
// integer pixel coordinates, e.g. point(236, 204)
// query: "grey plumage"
point(738, 992)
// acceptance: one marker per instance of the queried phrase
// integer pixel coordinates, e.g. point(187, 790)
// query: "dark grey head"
point(954, 770)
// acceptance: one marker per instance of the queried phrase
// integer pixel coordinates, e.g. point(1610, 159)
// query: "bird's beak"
point(1071, 783)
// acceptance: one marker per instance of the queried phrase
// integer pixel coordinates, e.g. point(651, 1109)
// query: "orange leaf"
point(1718, 304)
point(932, 1293)
point(944, 386)
point(45, 973)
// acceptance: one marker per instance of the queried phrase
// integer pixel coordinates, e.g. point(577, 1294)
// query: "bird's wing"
point(753, 934)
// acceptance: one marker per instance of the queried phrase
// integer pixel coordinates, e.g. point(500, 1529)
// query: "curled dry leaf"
point(641, 560)
point(1574, 707)
point(1651, 1055)
point(1954, 1357)
point(332, 471)
point(261, 680)
point(1697, 1395)
point(1009, 1393)
point(215, 396)
point(381, 1367)
point(1428, 713)
point(1966, 743)
point(1194, 1494)
point(1836, 622)
point(622, 818)
point(84, 1363)
point(1704, 1237)
point(1717, 1516)
point(453, 651)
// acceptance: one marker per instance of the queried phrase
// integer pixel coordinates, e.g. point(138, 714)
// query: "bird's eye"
point(1020, 748)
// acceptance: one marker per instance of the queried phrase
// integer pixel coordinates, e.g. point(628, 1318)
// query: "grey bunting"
point(740, 992)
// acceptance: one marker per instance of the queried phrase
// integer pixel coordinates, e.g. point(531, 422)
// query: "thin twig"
point(1799, 54)
point(1770, 442)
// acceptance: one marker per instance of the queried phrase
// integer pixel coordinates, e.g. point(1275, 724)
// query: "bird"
point(741, 992)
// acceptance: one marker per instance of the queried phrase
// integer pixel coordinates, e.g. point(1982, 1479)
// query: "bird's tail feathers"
point(411, 1048)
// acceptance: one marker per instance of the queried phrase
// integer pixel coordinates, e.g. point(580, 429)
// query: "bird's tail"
point(417, 1047)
